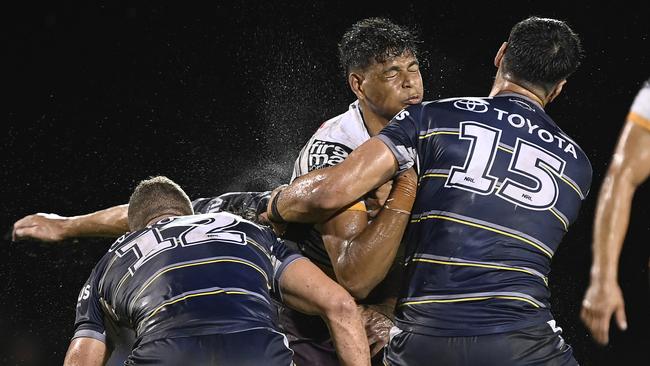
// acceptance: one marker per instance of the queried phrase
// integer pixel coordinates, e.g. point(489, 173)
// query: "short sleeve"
point(89, 320)
point(281, 257)
point(401, 137)
point(640, 110)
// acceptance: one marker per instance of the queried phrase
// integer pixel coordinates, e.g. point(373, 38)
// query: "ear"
point(556, 90)
point(499, 56)
point(355, 81)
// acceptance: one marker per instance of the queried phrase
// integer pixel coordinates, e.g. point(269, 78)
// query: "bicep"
point(340, 229)
point(632, 157)
point(86, 351)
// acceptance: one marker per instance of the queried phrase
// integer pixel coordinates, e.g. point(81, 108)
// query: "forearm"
point(316, 196)
point(366, 259)
point(610, 226)
point(348, 335)
point(110, 222)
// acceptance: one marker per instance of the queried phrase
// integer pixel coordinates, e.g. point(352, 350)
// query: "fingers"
point(596, 321)
point(621, 319)
point(23, 228)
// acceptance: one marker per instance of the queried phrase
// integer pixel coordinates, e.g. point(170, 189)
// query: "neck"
point(502, 85)
point(373, 121)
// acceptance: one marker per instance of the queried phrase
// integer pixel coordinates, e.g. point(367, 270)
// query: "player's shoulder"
point(347, 129)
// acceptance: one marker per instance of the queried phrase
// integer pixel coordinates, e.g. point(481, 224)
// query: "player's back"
point(192, 275)
point(500, 185)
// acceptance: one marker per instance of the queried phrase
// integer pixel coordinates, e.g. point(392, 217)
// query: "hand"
point(278, 228)
point(600, 302)
point(377, 328)
point(40, 226)
point(402, 196)
point(377, 198)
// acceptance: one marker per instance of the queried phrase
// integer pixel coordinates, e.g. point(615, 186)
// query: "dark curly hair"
point(375, 39)
point(542, 51)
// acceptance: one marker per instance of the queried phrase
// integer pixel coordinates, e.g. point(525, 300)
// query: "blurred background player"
point(500, 184)
point(630, 166)
point(195, 289)
point(380, 62)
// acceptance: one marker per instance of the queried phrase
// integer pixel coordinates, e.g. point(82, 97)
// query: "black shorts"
point(537, 345)
point(247, 348)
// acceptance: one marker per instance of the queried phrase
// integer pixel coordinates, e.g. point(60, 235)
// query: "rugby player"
point(629, 168)
point(196, 289)
point(500, 183)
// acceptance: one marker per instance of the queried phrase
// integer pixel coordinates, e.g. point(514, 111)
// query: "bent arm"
point(630, 167)
point(110, 222)
point(362, 254)
point(316, 196)
point(307, 289)
point(85, 351)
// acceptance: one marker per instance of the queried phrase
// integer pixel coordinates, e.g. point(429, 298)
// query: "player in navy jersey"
point(197, 289)
point(500, 184)
point(629, 168)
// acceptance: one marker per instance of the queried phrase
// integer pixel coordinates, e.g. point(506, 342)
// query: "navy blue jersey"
point(500, 184)
point(185, 276)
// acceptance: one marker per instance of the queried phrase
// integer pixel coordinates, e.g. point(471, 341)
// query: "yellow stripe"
point(435, 175)
point(476, 265)
point(559, 218)
point(571, 185)
point(484, 227)
point(504, 149)
point(439, 133)
point(639, 120)
point(194, 295)
point(197, 264)
point(564, 180)
point(469, 299)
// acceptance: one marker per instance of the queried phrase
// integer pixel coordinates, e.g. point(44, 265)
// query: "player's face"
point(390, 86)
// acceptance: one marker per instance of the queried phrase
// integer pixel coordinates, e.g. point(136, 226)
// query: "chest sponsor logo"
point(326, 153)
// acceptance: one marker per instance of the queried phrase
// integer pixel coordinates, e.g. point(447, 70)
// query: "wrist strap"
point(275, 213)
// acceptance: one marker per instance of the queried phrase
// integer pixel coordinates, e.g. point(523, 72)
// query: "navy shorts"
point(246, 348)
point(537, 345)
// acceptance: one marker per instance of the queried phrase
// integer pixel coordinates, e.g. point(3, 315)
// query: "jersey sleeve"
point(89, 320)
point(640, 110)
point(401, 137)
point(281, 257)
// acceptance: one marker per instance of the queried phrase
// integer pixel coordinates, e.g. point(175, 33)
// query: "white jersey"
point(640, 110)
point(334, 140)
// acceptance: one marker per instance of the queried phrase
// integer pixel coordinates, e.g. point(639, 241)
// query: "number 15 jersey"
point(500, 184)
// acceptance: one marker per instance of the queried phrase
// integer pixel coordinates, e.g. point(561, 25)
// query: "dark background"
point(101, 95)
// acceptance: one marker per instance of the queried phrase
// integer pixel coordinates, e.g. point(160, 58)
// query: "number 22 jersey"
point(500, 184)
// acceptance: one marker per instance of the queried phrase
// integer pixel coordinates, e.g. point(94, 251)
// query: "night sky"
point(223, 96)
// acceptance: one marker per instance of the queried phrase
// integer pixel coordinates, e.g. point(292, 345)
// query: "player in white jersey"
point(629, 168)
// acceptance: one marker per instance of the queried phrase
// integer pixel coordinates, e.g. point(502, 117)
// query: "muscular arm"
point(316, 196)
point(307, 289)
point(85, 351)
point(110, 222)
point(630, 166)
point(362, 253)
